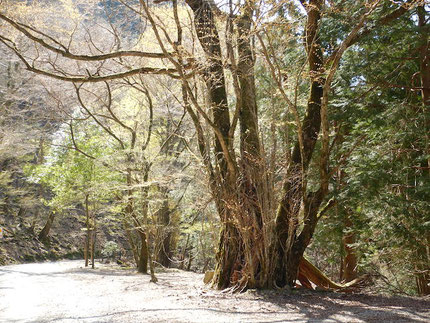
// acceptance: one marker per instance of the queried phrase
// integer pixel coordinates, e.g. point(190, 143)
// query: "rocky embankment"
point(20, 244)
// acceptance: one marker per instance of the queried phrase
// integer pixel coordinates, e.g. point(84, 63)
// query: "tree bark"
point(88, 231)
point(207, 33)
point(142, 265)
point(289, 246)
point(164, 253)
point(93, 247)
point(184, 252)
point(424, 56)
point(243, 257)
point(423, 268)
point(349, 263)
point(131, 242)
point(143, 256)
point(43, 235)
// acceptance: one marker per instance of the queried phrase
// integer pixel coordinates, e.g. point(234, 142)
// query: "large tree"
point(265, 230)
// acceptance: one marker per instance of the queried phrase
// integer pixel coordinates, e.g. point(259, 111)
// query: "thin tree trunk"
point(87, 226)
point(93, 240)
point(143, 257)
point(424, 56)
point(164, 253)
point(423, 269)
point(190, 259)
point(151, 268)
point(183, 253)
point(142, 265)
point(131, 241)
point(87, 247)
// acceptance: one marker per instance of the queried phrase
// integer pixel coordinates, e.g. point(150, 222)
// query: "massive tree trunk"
point(290, 246)
point(229, 255)
point(250, 254)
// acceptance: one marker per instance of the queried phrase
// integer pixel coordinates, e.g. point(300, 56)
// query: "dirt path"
point(66, 292)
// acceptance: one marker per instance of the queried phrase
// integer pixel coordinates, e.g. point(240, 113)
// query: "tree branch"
point(81, 102)
point(65, 51)
point(93, 78)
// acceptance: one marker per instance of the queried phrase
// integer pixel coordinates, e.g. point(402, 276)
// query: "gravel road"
point(66, 292)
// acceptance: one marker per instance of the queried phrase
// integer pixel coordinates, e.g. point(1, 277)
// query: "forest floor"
point(64, 291)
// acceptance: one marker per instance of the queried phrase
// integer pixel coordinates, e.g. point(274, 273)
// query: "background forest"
point(234, 136)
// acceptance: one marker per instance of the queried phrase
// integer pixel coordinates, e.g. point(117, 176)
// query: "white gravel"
point(66, 292)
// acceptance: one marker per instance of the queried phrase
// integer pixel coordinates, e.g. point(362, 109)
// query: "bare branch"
point(93, 78)
point(72, 134)
point(114, 116)
point(105, 128)
point(151, 119)
point(64, 51)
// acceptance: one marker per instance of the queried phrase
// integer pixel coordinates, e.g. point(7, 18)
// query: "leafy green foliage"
point(70, 175)
point(383, 185)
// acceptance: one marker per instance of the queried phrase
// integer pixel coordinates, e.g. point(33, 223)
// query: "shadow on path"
point(319, 306)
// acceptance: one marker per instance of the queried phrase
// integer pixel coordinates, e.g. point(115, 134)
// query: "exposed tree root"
point(309, 274)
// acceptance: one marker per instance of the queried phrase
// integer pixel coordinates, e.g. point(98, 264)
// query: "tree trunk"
point(249, 253)
point(142, 265)
point(309, 273)
point(184, 252)
point(43, 235)
point(151, 268)
point(88, 232)
point(93, 247)
point(207, 33)
point(290, 246)
point(131, 241)
point(228, 260)
point(424, 57)
point(190, 260)
point(423, 281)
point(143, 256)
point(164, 253)
point(423, 268)
point(422, 275)
point(93, 238)
point(349, 263)
point(87, 247)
